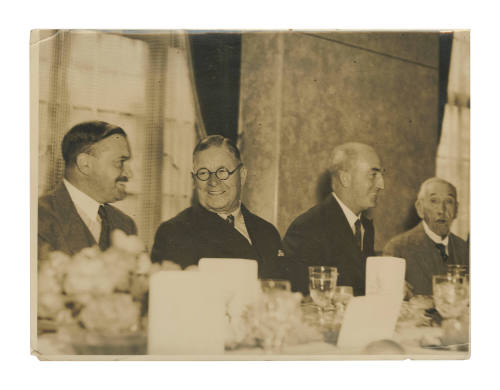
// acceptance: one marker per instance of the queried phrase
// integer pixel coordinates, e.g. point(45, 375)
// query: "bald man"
point(430, 246)
point(336, 232)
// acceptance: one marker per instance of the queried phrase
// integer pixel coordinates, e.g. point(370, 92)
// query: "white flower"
point(113, 314)
point(50, 304)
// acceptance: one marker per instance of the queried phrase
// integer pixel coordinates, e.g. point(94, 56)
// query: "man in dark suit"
point(77, 214)
point(336, 232)
point(219, 225)
point(430, 246)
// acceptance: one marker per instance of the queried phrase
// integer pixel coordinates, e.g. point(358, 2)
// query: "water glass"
point(322, 283)
point(272, 285)
point(451, 295)
point(457, 270)
point(342, 295)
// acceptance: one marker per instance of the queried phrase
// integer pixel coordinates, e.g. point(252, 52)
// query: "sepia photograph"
point(250, 195)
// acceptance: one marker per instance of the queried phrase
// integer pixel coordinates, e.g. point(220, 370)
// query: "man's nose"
point(127, 171)
point(380, 182)
point(212, 180)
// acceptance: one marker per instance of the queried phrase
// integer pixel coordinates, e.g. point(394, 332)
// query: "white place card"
point(186, 314)
point(385, 275)
point(239, 286)
point(237, 278)
point(369, 318)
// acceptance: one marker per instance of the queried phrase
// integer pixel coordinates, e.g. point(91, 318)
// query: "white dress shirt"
point(239, 222)
point(435, 237)
point(87, 209)
point(351, 217)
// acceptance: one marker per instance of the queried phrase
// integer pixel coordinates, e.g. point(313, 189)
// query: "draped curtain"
point(216, 64)
point(453, 161)
point(139, 82)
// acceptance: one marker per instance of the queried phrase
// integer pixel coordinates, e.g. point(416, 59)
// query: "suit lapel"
point(338, 230)
point(258, 238)
point(455, 256)
point(76, 233)
point(430, 259)
point(216, 232)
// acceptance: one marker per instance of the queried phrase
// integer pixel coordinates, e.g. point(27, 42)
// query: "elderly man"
point(336, 232)
point(429, 247)
point(219, 225)
point(77, 214)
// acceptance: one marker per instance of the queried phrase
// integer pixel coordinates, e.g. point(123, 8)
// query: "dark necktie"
point(104, 239)
point(230, 220)
point(357, 232)
point(442, 249)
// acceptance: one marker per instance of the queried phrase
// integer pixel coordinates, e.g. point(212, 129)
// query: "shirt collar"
point(351, 217)
point(433, 236)
point(235, 213)
point(82, 201)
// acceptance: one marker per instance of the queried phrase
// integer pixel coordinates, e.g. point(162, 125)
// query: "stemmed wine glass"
point(322, 283)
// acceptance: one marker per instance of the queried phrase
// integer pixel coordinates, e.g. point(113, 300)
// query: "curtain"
point(183, 128)
point(138, 82)
point(216, 63)
point(453, 155)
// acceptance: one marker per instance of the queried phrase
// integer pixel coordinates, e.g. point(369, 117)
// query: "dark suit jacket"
point(322, 236)
point(423, 258)
point(196, 233)
point(61, 228)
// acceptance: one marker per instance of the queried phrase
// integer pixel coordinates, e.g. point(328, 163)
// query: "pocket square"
point(281, 253)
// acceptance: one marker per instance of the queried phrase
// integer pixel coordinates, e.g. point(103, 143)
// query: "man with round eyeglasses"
point(218, 224)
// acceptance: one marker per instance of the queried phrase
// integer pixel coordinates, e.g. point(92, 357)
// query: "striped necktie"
point(442, 249)
point(230, 220)
point(104, 238)
point(357, 233)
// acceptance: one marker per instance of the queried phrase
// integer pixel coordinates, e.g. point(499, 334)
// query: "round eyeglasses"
point(222, 173)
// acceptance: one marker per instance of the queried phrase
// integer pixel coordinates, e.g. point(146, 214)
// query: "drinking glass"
point(322, 283)
point(451, 295)
point(342, 295)
point(270, 285)
point(457, 270)
point(341, 298)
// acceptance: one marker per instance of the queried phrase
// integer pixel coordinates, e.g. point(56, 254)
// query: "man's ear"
point(243, 175)
point(420, 208)
point(83, 163)
point(345, 178)
point(456, 209)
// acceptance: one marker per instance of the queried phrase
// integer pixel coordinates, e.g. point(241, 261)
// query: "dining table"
point(411, 340)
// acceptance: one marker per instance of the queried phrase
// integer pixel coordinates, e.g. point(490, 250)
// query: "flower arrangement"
point(98, 297)
point(274, 321)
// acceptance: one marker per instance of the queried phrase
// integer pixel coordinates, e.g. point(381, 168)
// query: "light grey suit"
point(423, 258)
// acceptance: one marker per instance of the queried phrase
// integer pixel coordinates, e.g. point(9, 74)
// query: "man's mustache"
point(122, 178)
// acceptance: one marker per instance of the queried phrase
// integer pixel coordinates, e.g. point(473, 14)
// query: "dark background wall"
point(302, 94)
